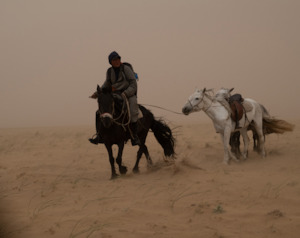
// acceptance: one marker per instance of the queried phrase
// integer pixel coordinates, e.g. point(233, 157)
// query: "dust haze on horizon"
point(54, 53)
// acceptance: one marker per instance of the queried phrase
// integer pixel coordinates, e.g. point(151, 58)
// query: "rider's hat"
point(113, 55)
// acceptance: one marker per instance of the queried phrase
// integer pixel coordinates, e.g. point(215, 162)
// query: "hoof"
point(123, 169)
point(94, 141)
point(114, 176)
point(136, 170)
point(149, 163)
point(234, 158)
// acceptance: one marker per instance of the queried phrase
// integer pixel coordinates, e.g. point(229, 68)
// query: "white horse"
point(269, 125)
point(201, 100)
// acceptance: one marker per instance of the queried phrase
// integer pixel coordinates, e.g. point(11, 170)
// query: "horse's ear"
point(204, 90)
point(231, 90)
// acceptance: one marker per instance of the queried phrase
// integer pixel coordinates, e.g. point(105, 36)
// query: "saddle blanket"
point(247, 106)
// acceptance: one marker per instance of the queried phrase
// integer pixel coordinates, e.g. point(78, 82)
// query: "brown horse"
point(111, 122)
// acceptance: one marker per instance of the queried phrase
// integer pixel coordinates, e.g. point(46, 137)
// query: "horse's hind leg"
point(255, 137)
point(149, 160)
point(138, 157)
point(122, 169)
point(246, 142)
point(261, 139)
point(142, 150)
point(227, 152)
point(255, 140)
point(235, 143)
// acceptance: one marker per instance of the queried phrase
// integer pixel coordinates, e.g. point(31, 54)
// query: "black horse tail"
point(164, 136)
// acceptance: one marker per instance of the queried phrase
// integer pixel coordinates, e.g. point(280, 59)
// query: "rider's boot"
point(135, 139)
point(97, 140)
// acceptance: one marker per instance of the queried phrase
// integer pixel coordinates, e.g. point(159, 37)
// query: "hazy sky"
point(54, 53)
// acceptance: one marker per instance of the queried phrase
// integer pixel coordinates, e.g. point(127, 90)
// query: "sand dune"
point(54, 183)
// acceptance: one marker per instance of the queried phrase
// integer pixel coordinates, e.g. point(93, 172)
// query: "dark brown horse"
point(112, 125)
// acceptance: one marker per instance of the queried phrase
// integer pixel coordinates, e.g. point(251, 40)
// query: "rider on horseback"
point(122, 80)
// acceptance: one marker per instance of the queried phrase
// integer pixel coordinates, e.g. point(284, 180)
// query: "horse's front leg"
point(235, 143)
point(122, 169)
point(227, 150)
point(246, 142)
point(226, 155)
point(111, 161)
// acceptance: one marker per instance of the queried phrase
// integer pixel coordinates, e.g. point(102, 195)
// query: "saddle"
point(237, 108)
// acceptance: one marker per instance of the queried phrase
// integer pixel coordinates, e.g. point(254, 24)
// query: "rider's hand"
point(123, 95)
point(118, 97)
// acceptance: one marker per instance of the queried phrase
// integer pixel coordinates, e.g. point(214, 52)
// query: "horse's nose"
point(185, 110)
point(106, 121)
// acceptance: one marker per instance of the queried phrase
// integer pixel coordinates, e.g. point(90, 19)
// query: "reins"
point(123, 112)
point(202, 100)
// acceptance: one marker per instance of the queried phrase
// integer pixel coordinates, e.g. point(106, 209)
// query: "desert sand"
point(54, 183)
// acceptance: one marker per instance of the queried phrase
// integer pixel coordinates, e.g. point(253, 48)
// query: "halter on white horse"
point(220, 116)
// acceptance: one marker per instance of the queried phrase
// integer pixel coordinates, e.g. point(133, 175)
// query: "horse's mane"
point(107, 89)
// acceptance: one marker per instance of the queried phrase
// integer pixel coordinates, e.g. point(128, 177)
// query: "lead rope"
point(149, 105)
point(124, 124)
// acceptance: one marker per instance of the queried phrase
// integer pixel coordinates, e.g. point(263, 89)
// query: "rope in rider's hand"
point(162, 108)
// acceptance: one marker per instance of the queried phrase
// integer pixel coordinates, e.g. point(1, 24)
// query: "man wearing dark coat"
point(122, 80)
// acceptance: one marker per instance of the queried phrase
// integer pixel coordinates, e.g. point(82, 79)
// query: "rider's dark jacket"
point(126, 81)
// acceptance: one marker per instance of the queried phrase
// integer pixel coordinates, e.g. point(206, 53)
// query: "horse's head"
point(105, 106)
point(223, 93)
point(195, 102)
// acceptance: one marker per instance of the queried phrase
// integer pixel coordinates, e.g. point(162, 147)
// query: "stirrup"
point(96, 139)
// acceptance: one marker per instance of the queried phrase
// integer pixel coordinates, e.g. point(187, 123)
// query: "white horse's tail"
point(272, 125)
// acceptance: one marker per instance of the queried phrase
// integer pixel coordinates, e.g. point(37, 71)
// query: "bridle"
point(123, 113)
point(106, 114)
point(201, 100)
